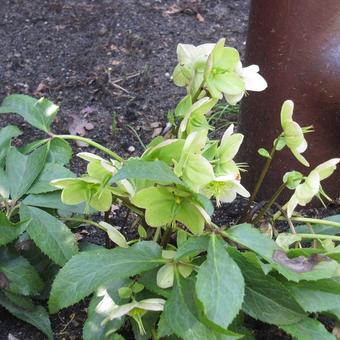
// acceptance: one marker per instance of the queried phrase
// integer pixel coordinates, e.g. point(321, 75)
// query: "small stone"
point(131, 149)
point(89, 126)
point(155, 125)
point(156, 132)
point(167, 75)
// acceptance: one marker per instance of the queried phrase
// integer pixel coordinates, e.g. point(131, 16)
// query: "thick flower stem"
point(269, 203)
point(316, 221)
point(258, 184)
point(92, 143)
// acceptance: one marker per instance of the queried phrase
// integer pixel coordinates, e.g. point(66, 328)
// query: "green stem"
point(157, 234)
point(259, 182)
point(270, 203)
point(92, 143)
point(319, 236)
point(74, 219)
point(12, 211)
point(315, 221)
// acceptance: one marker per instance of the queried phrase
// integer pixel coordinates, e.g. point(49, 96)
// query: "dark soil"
point(108, 63)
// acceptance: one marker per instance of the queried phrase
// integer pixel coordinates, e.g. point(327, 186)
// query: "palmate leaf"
point(220, 284)
point(26, 311)
point(88, 270)
point(21, 275)
point(37, 112)
point(22, 170)
point(10, 231)
point(53, 237)
point(60, 151)
point(266, 298)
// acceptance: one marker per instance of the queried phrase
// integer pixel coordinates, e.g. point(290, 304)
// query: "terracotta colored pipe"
point(297, 46)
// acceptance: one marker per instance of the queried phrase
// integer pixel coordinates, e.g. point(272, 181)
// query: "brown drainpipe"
point(297, 46)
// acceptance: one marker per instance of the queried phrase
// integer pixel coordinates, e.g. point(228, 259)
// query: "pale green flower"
point(224, 164)
point(220, 73)
point(225, 189)
point(311, 186)
point(293, 134)
point(253, 81)
point(191, 64)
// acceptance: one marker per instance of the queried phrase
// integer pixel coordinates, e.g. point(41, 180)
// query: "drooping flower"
point(195, 170)
point(253, 81)
point(191, 64)
point(311, 186)
point(224, 165)
point(293, 134)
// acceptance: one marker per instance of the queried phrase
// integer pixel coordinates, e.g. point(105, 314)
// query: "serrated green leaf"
point(52, 237)
point(316, 296)
point(50, 172)
point(266, 298)
point(36, 315)
point(308, 329)
point(22, 170)
point(97, 325)
point(37, 112)
point(156, 171)
point(22, 276)
point(10, 231)
point(252, 238)
point(192, 246)
point(220, 285)
point(182, 319)
point(86, 271)
point(60, 151)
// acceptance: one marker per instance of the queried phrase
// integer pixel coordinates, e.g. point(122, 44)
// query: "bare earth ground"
point(101, 59)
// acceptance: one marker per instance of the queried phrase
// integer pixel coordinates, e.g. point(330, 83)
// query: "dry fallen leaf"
point(300, 264)
point(156, 132)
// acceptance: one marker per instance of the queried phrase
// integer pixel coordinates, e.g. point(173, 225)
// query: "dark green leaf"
point(37, 112)
point(28, 148)
point(193, 246)
point(52, 236)
point(50, 172)
point(10, 231)
point(220, 285)
point(6, 134)
point(308, 329)
point(86, 271)
point(35, 315)
point(22, 170)
point(180, 317)
point(156, 171)
point(266, 298)
point(253, 239)
point(60, 151)
point(22, 276)
point(316, 296)
point(52, 200)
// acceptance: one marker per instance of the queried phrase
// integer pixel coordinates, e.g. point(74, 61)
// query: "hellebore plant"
point(183, 276)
